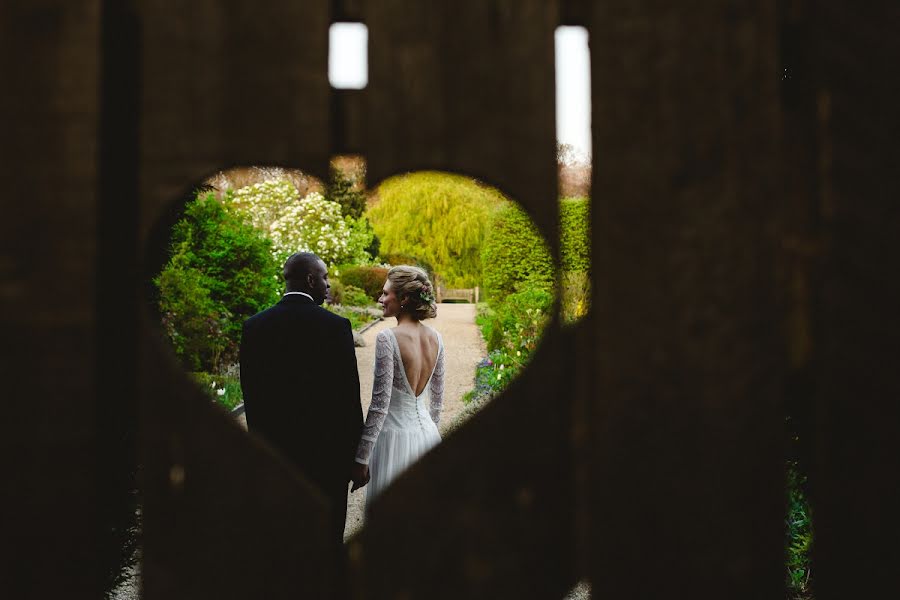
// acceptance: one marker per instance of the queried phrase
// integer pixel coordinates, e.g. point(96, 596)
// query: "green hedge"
point(574, 216)
point(220, 272)
point(369, 279)
point(514, 255)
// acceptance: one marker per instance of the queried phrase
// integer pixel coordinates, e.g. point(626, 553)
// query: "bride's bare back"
point(419, 351)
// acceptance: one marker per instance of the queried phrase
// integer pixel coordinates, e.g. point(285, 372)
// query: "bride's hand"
point(360, 476)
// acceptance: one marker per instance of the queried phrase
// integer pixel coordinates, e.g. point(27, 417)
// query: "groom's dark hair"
point(297, 267)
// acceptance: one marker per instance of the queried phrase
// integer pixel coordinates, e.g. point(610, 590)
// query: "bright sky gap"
point(573, 89)
point(348, 69)
point(348, 56)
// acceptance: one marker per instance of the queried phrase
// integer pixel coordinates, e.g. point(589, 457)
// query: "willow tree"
point(438, 218)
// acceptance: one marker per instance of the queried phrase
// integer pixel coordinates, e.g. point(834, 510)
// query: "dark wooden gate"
point(744, 221)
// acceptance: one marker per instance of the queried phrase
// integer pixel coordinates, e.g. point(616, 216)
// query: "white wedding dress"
point(399, 429)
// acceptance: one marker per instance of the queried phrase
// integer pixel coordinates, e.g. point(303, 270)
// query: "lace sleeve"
point(381, 396)
point(437, 387)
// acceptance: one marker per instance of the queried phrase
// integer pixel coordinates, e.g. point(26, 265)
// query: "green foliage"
point(798, 537)
point(369, 279)
point(222, 389)
point(221, 271)
point(342, 191)
point(438, 218)
point(363, 244)
point(575, 295)
point(358, 317)
point(575, 238)
point(191, 319)
point(518, 321)
point(374, 247)
point(514, 255)
point(512, 329)
point(336, 292)
point(354, 296)
point(406, 259)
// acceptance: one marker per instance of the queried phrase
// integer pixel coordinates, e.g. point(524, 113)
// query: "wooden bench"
point(469, 295)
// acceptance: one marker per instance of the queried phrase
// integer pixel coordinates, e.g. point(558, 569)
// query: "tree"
point(515, 255)
point(438, 218)
point(343, 191)
point(220, 272)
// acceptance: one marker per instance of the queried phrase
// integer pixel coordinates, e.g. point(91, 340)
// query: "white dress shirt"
point(300, 293)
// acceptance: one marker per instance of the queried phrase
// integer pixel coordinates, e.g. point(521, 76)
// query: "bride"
point(409, 362)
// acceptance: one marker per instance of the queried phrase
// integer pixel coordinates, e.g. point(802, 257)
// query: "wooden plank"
point(856, 333)
point(686, 466)
point(230, 84)
point(50, 110)
point(223, 515)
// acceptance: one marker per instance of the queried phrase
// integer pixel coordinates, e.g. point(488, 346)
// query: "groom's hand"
point(360, 475)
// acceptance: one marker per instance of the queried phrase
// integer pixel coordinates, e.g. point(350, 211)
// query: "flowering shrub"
point(265, 202)
point(225, 390)
point(512, 331)
point(308, 224)
point(519, 320)
point(312, 224)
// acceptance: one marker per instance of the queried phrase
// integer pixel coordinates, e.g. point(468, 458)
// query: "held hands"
point(360, 476)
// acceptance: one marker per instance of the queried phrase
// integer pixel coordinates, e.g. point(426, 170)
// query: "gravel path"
point(463, 348)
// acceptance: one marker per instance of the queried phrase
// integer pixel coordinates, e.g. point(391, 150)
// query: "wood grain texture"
point(856, 332)
point(686, 486)
point(230, 84)
point(50, 111)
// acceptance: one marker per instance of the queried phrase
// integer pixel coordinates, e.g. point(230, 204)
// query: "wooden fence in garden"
point(743, 237)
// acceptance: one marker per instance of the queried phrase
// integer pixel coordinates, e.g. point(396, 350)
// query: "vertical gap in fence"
point(574, 153)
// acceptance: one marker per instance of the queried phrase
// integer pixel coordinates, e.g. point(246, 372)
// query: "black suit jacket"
point(301, 388)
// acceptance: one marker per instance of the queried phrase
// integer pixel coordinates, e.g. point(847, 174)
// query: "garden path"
point(463, 349)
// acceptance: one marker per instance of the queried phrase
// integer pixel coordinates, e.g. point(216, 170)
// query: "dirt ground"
point(463, 348)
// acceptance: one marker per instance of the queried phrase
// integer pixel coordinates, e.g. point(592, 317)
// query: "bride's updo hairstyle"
point(414, 290)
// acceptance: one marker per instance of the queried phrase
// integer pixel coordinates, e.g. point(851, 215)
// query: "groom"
point(300, 383)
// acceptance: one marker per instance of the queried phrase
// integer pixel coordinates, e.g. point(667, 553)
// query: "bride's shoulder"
point(434, 333)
